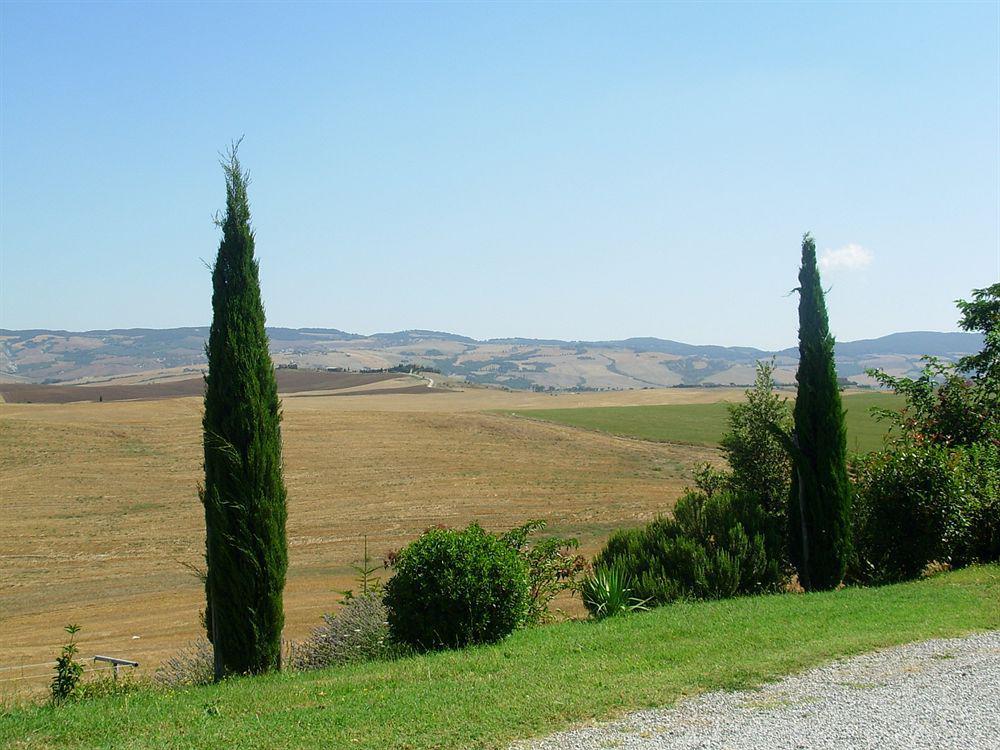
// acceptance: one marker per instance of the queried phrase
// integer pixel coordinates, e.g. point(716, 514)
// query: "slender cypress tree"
point(244, 493)
point(819, 508)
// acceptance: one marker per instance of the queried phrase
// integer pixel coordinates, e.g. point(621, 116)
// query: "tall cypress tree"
point(819, 507)
point(244, 493)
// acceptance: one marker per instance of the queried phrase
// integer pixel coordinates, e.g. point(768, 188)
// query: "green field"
point(704, 424)
point(537, 681)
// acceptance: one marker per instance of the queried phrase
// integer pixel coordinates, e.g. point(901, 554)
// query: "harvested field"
point(404, 389)
point(289, 381)
point(101, 513)
point(486, 399)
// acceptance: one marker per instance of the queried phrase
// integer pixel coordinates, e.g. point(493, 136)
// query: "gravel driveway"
point(939, 694)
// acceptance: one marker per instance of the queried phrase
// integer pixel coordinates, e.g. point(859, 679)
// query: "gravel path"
point(942, 694)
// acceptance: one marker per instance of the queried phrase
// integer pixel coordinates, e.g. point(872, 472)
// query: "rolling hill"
point(46, 356)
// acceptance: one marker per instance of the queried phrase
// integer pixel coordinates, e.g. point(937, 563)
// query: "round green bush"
point(911, 508)
point(918, 503)
point(454, 588)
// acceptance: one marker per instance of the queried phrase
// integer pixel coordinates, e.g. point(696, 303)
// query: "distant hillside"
point(912, 343)
point(60, 356)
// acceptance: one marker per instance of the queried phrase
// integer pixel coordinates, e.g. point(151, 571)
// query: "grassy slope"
point(704, 424)
point(537, 681)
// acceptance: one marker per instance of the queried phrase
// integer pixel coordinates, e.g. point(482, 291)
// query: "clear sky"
point(558, 171)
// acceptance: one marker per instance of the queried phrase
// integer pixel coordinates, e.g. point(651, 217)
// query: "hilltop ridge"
point(40, 355)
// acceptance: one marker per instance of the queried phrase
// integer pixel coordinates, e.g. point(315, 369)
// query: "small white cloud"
point(851, 257)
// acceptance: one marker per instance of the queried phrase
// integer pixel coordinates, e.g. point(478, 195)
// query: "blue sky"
point(559, 171)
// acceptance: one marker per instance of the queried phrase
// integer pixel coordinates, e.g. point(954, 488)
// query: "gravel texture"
point(939, 694)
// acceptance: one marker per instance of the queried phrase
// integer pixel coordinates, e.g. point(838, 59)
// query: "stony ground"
point(941, 694)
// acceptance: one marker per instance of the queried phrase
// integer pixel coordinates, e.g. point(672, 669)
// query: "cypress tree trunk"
point(244, 493)
point(819, 507)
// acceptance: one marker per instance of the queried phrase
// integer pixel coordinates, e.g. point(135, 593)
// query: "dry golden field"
point(100, 513)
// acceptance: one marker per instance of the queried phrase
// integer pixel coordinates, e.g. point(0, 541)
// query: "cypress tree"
point(819, 507)
point(244, 492)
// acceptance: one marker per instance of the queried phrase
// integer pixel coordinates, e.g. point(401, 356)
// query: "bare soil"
point(289, 381)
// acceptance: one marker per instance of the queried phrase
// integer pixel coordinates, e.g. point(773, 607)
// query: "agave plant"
point(608, 593)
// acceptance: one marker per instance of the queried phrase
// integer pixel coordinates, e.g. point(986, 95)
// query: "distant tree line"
point(405, 367)
point(408, 368)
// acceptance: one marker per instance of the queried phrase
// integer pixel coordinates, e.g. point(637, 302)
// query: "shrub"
point(553, 567)
point(757, 457)
point(358, 632)
point(981, 541)
point(933, 493)
point(917, 502)
point(608, 593)
point(68, 669)
point(192, 665)
point(454, 588)
point(907, 511)
point(943, 406)
point(714, 547)
point(760, 469)
point(730, 536)
point(982, 313)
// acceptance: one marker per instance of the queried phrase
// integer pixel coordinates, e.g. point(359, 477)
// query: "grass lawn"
point(537, 681)
point(704, 424)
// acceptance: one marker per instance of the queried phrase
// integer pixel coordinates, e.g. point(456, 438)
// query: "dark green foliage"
point(68, 669)
point(714, 547)
point(983, 314)
point(244, 492)
point(933, 493)
point(909, 511)
point(728, 537)
point(553, 567)
point(455, 588)
point(943, 406)
point(981, 542)
point(920, 502)
point(957, 404)
point(819, 506)
point(760, 465)
point(757, 458)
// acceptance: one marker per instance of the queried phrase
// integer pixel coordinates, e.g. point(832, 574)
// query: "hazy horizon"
point(513, 336)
